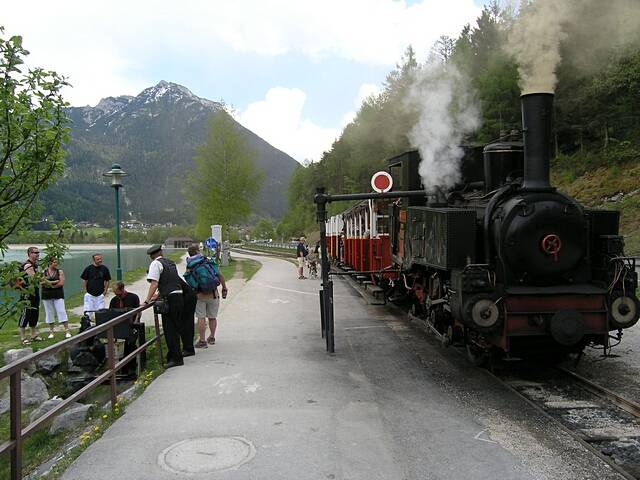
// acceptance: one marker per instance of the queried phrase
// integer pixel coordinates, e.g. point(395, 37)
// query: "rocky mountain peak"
point(111, 104)
point(158, 130)
point(174, 93)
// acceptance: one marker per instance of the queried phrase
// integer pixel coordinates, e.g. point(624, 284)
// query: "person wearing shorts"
point(30, 314)
point(95, 282)
point(207, 308)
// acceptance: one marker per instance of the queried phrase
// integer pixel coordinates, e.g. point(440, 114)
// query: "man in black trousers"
point(166, 284)
point(188, 319)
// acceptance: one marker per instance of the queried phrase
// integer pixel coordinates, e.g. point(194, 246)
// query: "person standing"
point(190, 298)
point(95, 282)
point(166, 284)
point(31, 312)
point(301, 253)
point(208, 302)
point(53, 298)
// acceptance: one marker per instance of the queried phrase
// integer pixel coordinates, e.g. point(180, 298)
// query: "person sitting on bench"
point(122, 298)
point(125, 300)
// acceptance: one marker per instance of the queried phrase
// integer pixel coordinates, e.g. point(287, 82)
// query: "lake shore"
point(83, 246)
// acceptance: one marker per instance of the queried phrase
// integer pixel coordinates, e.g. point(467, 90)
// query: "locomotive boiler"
point(505, 262)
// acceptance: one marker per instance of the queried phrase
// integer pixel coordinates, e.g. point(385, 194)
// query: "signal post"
point(382, 183)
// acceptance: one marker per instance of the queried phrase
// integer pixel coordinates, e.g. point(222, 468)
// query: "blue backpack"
point(202, 274)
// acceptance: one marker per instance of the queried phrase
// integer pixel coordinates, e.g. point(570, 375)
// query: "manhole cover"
point(205, 455)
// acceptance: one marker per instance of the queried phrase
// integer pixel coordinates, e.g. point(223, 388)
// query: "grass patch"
point(249, 268)
point(286, 252)
point(229, 271)
point(604, 182)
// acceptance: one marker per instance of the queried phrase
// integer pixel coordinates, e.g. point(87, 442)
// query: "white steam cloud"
point(595, 26)
point(447, 112)
point(535, 42)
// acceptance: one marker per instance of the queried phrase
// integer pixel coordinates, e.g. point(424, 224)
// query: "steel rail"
point(602, 392)
point(575, 435)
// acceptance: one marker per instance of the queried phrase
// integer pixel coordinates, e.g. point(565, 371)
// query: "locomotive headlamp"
point(624, 312)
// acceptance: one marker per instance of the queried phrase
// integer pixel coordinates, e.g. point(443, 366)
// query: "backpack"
point(202, 275)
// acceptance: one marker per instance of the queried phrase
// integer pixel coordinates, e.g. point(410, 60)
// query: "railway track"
point(604, 422)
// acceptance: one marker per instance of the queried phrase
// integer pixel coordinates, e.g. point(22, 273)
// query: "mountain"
point(153, 136)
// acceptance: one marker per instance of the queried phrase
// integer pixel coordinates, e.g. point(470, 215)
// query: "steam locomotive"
point(503, 262)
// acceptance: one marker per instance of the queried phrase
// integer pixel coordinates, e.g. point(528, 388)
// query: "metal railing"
point(19, 433)
point(284, 245)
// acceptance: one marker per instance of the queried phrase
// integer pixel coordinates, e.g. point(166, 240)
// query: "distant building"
point(133, 225)
point(178, 242)
point(86, 224)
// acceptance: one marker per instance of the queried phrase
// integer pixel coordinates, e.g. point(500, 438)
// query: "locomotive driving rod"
point(326, 294)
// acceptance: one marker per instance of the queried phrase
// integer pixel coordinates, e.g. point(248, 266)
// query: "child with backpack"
point(203, 275)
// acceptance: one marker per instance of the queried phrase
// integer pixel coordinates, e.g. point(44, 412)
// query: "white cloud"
point(278, 119)
point(369, 31)
point(103, 46)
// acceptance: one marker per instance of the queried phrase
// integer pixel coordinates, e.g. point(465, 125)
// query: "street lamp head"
point(116, 173)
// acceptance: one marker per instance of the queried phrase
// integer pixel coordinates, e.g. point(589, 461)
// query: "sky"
point(295, 71)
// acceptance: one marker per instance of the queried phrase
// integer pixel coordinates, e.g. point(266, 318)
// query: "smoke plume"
point(442, 100)
point(537, 37)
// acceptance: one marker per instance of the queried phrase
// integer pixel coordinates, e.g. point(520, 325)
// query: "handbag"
point(161, 306)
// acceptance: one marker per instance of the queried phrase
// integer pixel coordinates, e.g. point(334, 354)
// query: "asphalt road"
point(268, 402)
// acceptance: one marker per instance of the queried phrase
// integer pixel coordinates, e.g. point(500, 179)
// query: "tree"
point(32, 133)
point(225, 182)
point(443, 48)
point(33, 130)
point(263, 230)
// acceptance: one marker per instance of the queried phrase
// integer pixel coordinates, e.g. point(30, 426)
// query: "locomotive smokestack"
point(537, 110)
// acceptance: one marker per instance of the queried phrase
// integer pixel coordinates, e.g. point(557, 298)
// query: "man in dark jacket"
point(166, 284)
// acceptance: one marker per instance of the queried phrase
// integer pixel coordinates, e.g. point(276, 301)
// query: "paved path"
point(387, 405)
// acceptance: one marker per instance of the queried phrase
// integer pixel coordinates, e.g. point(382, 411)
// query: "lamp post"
point(116, 173)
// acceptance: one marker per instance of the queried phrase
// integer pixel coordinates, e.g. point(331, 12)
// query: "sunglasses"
point(36, 253)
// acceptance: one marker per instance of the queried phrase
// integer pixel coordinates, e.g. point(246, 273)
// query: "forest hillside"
point(597, 114)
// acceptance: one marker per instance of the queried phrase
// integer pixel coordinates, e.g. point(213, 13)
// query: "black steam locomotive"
point(505, 262)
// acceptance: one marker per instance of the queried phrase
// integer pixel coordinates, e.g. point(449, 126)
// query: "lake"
point(79, 257)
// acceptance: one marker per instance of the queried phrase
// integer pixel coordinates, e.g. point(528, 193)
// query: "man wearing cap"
point(302, 252)
point(165, 283)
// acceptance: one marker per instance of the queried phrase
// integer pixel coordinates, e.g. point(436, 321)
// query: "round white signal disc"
point(381, 182)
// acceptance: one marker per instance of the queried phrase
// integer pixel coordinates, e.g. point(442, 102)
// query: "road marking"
point(365, 326)
point(479, 435)
point(277, 300)
point(227, 385)
point(315, 294)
